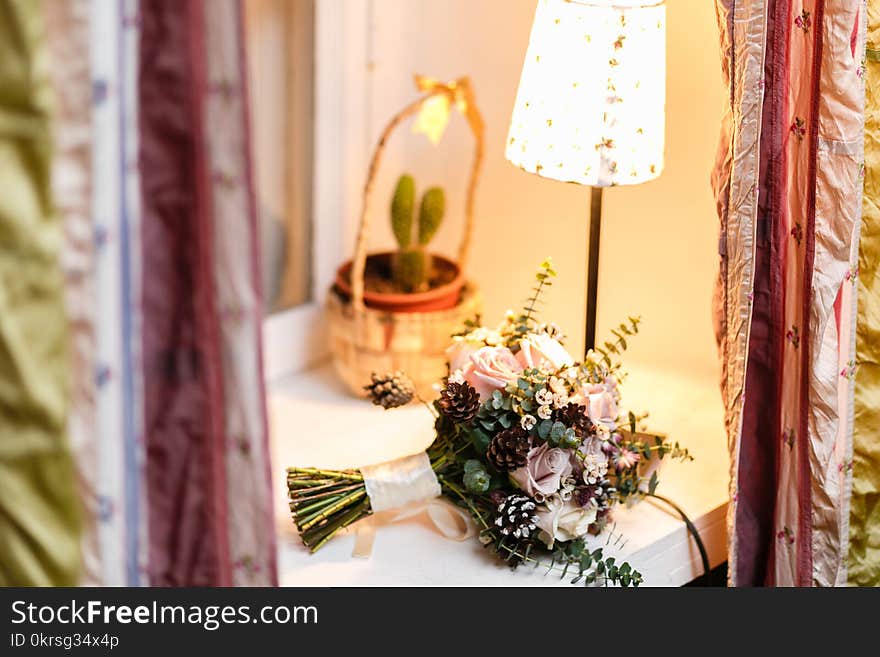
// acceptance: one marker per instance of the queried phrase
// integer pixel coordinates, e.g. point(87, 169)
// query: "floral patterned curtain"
point(788, 183)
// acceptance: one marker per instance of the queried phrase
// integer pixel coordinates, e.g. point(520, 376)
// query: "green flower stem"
point(329, 474)
point(323, 492)
point(333, 508)
point(474, 511)
point(305, 513)
point(362, 510)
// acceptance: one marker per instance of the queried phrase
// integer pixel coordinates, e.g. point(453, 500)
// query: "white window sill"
point(314, 422)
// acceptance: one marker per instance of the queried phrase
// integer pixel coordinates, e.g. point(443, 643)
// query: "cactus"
point(431, 214)
point(410, 273)
point(412, 263)
point(402, 210)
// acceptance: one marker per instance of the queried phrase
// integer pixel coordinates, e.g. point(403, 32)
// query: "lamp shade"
point(591, 102)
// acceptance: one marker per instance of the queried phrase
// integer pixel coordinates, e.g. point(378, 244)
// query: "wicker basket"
point(364, 340)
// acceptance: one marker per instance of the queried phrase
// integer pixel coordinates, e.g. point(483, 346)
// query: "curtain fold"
point(39, 507)
point(116, 368)
point(207, 453)
point(183, 390)
point(67, 29)
point(743, 30)
point(237, 281)
point(791, 444)
point(864, 552)
point(758, 454)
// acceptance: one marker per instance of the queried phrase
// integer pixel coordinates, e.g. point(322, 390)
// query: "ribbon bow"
point(449, 520)
point(434, 114)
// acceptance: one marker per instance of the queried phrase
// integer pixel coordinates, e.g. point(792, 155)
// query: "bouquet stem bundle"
point(323, 502)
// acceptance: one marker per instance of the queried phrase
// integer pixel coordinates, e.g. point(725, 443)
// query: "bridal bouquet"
point(528, 441)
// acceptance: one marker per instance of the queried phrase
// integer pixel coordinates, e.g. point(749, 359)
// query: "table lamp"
point(591, 103)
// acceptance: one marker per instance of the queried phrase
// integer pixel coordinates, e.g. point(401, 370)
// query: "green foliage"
point(526, 320)
point(496, 414)
point(470, 324)
point(402, 210)
point(431, 214)
point(619, 345)
point(476, 481)
point(630, 482)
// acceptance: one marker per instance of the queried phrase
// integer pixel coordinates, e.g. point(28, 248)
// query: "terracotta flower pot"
point(442, 297)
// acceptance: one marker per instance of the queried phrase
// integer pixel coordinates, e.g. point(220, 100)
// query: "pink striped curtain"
point(151, 182)
point(208, 490)
point(789, 189)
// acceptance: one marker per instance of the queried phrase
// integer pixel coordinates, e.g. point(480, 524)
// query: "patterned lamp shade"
point(591, 100)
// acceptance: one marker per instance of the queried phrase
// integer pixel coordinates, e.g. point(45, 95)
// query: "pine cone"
point(575, 416)
point(390, 390)
point(600, 494)
point(516, 516)
point(459, 402)
point(509, 448)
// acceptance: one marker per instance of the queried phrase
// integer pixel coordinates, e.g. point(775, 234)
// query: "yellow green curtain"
point(39, 511)
point(864, 555)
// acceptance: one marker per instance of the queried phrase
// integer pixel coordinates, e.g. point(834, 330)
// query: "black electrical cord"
point(704, 556)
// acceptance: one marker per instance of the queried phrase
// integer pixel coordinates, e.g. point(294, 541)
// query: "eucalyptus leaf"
point(544, 429)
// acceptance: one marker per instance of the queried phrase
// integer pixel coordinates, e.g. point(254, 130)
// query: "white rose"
point(560, 520)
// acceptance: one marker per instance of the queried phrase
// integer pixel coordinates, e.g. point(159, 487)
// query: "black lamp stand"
point(593, 268)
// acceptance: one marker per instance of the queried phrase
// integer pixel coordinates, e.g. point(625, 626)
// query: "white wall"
point(659, 242)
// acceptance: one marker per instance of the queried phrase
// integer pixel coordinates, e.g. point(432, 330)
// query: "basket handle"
point(458, 93)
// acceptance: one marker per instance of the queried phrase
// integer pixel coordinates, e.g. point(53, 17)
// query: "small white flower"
point(456, 377)
point(571, 373)
point(544, 397)
point(594, 469)
point(483, 335)
point(493, 338)
point(557, 385)
point(545, 412)
point(602, 432)
point(560, 400)
point(528, 422)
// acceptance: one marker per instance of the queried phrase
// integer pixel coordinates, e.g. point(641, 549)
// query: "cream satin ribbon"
point(410, 486)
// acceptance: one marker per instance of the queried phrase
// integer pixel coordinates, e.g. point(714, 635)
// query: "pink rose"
point(600, 400)
point(491, 368)
point(544, 469)
point(459, 354)
point(563, 521)
point(538, 350)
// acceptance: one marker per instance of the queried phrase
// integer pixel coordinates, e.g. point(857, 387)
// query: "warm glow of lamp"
point(590, 108)
point(590, 105)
